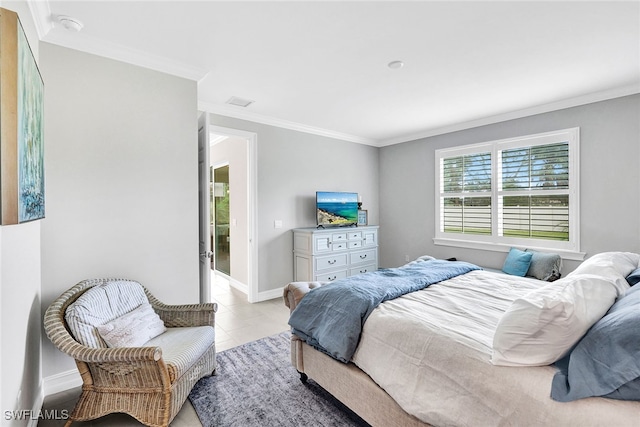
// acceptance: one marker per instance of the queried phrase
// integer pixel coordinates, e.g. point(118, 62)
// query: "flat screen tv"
point(336, 208)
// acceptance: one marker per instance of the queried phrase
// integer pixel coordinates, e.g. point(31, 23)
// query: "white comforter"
point(431, 353)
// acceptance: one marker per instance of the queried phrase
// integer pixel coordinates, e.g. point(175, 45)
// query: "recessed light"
point(69, 23)
point(394, 65)
point(240, 102)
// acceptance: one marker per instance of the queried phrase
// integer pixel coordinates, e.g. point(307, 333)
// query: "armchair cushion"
point(99, 305)
point(132, 329)
point(183, 347)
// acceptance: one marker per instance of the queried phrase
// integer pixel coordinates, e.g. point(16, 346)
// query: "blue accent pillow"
point(634, 277)
point(517, 262)
point(606, 362)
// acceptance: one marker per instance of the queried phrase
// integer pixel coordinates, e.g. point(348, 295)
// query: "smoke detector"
point(69, 23)
point(395, 65)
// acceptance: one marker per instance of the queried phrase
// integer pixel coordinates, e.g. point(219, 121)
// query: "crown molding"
point(236, 113)
point(539, 109)
point(95, 46)
point(41, 14)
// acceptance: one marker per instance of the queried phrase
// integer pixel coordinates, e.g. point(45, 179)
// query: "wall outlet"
point(406, 258)
point(277, 223)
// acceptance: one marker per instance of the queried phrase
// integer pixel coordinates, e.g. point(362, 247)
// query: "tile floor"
point(237, 322)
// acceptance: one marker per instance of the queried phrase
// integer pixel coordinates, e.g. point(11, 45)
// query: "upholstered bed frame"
point(346, 382)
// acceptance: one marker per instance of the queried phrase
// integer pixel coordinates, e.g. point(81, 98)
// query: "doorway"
point(233, 202)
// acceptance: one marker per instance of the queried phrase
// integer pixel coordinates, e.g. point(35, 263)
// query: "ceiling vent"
point(240, 102)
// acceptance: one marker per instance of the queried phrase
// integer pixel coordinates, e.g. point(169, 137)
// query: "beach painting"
point(337, 208)
point(30, 134)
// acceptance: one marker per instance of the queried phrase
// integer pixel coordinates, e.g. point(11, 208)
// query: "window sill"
point(499, 247)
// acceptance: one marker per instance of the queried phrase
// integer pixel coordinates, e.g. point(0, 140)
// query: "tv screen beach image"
point(334, 208)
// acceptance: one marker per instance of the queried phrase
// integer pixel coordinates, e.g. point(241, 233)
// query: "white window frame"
point(567, 249)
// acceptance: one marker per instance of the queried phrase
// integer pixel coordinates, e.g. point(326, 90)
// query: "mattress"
point(430, 351)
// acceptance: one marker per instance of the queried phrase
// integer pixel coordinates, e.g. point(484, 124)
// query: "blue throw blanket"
point(330, 318)
point(606, 362)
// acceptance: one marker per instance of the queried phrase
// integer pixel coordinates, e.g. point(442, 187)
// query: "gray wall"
point(609, 182)
point(292, 166)
point(121, 176)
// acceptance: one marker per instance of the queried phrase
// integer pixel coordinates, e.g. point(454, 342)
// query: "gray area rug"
point(256, 385)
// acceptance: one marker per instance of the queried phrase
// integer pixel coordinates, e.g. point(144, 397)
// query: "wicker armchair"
point(135, 381)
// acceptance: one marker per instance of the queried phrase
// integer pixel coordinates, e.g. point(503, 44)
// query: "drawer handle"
point(331, 279)
point(363, 271)
point(363, 256)
point(332, 262)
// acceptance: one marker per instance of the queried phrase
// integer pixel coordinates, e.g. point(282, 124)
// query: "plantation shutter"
point(533, 193)
point(466, 194)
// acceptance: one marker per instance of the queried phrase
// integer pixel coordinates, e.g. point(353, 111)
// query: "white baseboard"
point(37, 405)
point(270, 294)
point(242, 287)
point(61, 382)
point(238, 285)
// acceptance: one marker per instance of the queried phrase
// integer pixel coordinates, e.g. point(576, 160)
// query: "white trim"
point(236, 112)
point(486, 242)
point(252, 215)
point(270, 294)
point(525, 112)
point(95, 46)
point(41, 14)
point(499, 247)
point(36, 406)
point(252, 203)
point(61, 382)
point(233, 282)
point(239, 113)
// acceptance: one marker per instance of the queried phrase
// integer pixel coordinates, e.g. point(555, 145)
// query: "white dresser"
point(333, 253)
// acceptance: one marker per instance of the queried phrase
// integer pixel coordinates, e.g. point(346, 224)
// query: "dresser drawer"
point(362, 257)
point(366, 268)
point(338, 237)
point(331, 261)
point(329, 277)
point(353, 244)
point(355, 235)
point(339, 246)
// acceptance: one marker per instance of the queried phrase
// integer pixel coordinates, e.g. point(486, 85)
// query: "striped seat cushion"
point(182, 347)
point(99, 305)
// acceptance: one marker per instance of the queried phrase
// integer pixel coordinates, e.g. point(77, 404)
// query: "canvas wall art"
point(21, 126)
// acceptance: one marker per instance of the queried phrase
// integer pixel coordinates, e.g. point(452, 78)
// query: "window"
point(514, 192)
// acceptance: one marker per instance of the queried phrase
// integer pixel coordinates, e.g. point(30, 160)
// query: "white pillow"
point(612, 265)
point(132, 329)
point(100, 304)
point(541, 327)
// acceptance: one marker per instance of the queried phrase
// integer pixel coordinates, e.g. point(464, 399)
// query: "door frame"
point(204, 226)
point(251, 139)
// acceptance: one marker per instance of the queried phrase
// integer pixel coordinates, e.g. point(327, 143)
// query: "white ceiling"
point(322, 66)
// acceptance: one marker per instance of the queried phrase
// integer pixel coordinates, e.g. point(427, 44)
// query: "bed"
point(479, 349)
